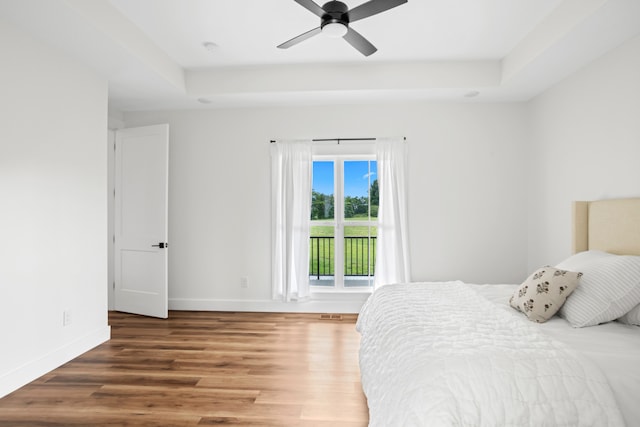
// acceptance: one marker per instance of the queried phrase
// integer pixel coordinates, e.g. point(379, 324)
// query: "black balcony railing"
point(359, 256)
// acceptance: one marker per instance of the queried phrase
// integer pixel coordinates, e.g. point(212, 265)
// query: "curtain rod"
point(273, 141)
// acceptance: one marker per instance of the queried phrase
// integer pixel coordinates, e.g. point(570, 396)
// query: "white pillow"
point(577, 261)
point(632, 317)
point(608, 289)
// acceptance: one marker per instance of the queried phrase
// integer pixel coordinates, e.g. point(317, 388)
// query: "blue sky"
point(356, 177)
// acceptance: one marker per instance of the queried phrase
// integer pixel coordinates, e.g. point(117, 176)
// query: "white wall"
point(585, 145)
point(53, 214)
point(466, 191)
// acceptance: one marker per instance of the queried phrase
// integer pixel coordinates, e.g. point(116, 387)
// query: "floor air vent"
point(331, 317)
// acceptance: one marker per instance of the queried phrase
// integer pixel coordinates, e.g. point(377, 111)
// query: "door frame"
point(111, 182)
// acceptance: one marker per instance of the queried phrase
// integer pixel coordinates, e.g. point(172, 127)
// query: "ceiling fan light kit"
point(335, 18)
point(334, 29)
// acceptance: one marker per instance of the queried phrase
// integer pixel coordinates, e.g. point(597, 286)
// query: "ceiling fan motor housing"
point(336, 12)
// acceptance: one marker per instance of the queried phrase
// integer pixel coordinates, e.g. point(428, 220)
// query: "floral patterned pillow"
point(543, 293)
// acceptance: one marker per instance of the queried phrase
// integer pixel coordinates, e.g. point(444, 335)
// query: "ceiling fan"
point(335, 18)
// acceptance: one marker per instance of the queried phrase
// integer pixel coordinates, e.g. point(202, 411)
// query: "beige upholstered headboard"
point(607, 225)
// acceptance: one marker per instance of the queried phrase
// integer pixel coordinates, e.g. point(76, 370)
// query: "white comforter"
point(438, 354)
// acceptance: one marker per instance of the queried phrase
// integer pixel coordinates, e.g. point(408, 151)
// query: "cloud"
point(367, 175)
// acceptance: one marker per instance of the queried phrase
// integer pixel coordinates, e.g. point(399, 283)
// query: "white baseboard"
point(34, 369)
point(351, 304)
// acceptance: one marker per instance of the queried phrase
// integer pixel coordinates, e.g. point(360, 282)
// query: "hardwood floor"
point(204, 368)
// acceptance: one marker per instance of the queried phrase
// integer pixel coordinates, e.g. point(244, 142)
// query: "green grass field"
point(357, 251)
point(349, 230)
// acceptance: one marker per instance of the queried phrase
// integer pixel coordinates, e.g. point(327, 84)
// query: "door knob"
point(160, 245)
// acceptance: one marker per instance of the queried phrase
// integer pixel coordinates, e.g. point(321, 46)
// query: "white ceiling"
point(247, 31)
point(152, 52)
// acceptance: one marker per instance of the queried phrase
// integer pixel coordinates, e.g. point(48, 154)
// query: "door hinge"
point(113, 285)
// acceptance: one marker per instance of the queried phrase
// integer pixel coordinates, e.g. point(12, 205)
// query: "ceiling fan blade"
point(356, 40)
point(312, 6)
point(371, 8)
point(302, 37)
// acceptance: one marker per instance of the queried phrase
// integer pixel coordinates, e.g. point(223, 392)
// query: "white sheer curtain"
point(291, 166)
point(392, 257)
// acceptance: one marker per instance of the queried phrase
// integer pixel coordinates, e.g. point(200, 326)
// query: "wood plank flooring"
point(204, 368)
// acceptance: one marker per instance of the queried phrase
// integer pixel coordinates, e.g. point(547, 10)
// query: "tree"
point(374, 195)
point(321, 205)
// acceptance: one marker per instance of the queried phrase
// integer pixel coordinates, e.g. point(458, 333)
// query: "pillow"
point(543, 293)
point(577, 261)
point(609, 288)
point(632, 317)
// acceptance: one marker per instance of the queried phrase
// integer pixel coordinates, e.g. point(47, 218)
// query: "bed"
point(560, 349)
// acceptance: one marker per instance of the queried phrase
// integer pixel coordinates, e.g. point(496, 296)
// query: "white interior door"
point(141, 196)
